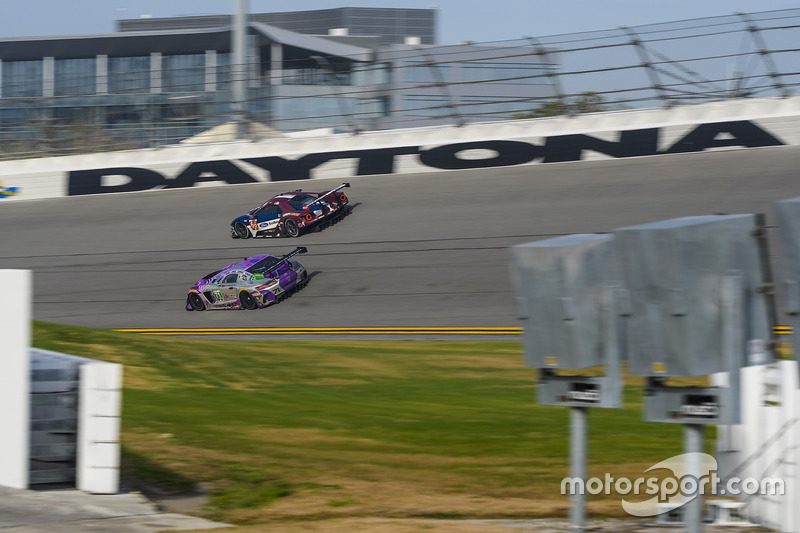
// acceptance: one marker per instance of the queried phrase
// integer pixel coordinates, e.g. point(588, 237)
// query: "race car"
point(291, 214)
point(255, 282)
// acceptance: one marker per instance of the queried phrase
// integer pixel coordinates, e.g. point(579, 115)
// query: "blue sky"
point(460, 20)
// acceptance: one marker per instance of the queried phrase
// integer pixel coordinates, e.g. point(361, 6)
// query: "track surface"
point(419, 250)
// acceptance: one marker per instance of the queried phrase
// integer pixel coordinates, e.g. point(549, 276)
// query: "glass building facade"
point(390, 25)
point(22, 79)
point(161, 87)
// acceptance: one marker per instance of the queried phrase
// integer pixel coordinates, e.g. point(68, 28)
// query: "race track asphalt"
point(418, 250)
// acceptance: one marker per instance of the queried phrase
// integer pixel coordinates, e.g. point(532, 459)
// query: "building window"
point(370, 74)
point(504, 73)
point(318, 109)
point(224, 75)
point(184, 73)
point(384, 106)
point(129, 74)
point(13, 116)
point(225, 71)
point(426, 106)
point(426, 72)
point(374, 107)
point(22, 79)
point(75, 76)
point(307, 76)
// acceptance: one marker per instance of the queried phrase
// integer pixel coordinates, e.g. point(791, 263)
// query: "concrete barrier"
point(725, 125)
point(59, 413)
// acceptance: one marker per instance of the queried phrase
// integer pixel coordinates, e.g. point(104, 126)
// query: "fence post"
point(652, 71)
point(442, 84)
point(552, 74)
point(772, 70)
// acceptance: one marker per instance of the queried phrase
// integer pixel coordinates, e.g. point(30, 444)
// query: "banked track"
point(418, 251)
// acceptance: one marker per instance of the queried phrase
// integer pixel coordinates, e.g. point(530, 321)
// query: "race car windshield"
point(301, 200)
point(265, 265)
point(209, 276)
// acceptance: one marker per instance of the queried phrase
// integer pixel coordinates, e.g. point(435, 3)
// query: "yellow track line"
point(778, 330)
point(323, 331)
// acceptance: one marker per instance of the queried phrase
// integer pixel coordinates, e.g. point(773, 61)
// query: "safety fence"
point(658, 65)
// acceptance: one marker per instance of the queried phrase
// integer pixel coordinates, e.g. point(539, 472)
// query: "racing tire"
point(290, 228)
point(248, 300)
point(196, 302)
point(241, 230)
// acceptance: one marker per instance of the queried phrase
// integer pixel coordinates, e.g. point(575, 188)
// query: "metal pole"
point(764, 52)
point(239, 52)
point(768, 283)
point(652, 72)
point(693, 447)
point(552, 74)
point(610, 311)
point(442, 84)
point(577, 459)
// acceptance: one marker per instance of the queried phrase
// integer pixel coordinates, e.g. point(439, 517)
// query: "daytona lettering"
point(556, 149)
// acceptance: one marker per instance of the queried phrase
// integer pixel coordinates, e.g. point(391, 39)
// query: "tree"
point(587, 102)
point(48, 138)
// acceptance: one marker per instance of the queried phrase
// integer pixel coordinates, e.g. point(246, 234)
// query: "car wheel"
point(196, 302)
point(290, 228)
point(241, 230)
point(248, 301)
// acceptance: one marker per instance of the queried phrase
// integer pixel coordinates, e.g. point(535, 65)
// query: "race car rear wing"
point(340, 187)
point(281, 260)
point(298, 250)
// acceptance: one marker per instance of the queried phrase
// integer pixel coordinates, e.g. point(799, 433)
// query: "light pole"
point(239, 53)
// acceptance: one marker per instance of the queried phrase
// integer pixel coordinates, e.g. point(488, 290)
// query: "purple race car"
point(257, 281)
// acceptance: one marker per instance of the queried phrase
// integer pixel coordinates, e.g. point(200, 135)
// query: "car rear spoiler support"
point(340, 187)
point(298, 250)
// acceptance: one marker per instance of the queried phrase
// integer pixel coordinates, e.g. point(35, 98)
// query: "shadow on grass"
point(145, 475)
point(235, 486)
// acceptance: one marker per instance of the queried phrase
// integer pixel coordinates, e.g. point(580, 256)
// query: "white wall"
point(48, 177)
point(767, 443)
point(15, 340)
point(98, 427)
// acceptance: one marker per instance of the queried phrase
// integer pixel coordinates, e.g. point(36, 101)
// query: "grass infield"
point(292, 432)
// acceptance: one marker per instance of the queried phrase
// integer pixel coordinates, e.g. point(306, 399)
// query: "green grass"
point(301, 428)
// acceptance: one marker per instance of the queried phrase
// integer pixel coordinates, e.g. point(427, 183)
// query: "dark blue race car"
point(292, 213)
